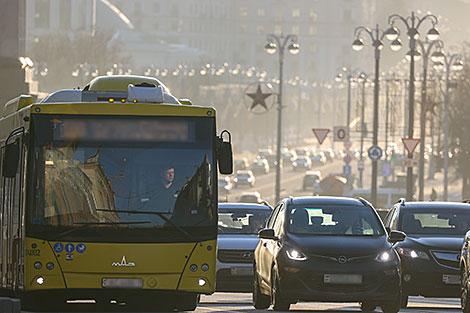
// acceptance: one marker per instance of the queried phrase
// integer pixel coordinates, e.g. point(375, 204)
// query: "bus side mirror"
point(11, 159)
point(225, 156)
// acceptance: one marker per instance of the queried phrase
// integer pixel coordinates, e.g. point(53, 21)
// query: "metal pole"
point(348, 117)
point(411, 106)
point(361, 171)
point(446, 133)
point(373, 195)
point(387, 114)
point(422, 132)
point(277, 190)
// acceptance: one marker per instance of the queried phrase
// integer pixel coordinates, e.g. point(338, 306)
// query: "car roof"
point(325, 200)
point(240, 205)
point(416, 205)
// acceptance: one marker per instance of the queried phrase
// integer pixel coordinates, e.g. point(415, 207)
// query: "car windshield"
point(99, 182)
point(453, 222)
point(242, 221)
point(334, 220)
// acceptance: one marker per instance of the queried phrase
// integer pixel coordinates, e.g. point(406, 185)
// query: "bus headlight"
point(204, 267)
point(193, 268)
point(50, 266)
point(40, 280)
point(37, 265)
point(201, 282)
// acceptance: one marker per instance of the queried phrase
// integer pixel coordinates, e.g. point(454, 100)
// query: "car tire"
point(260, 300)
point(464, 294)
point(404, 301)
point(391, 307)
point(278, 301)
point(367, 306)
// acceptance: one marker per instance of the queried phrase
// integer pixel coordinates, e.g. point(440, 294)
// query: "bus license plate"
point(451, 279)
point(134, 283)
point(342, 279)
point(241, 271)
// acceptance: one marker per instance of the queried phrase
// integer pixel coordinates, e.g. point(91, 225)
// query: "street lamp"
point(362, 78)
point(412, 24)
point(448, 63)
point(426, 47)
point(376, 36)
point(279, 44)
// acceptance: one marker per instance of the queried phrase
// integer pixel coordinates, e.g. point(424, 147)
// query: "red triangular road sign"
point(321, 134)
point(410, 144)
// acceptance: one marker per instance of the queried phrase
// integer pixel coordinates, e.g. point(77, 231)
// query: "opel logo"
point(247, 255)
point(123, 263)
point(342, 259)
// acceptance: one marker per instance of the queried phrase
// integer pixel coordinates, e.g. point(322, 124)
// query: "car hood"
point(350, 246)
point(440, 243)
point(237, 242)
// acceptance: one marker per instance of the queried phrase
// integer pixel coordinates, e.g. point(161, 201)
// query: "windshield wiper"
point(88, 224)
point(159, 214)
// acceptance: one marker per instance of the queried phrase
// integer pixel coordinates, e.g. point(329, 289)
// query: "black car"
point(430, 254)
point(327, 249)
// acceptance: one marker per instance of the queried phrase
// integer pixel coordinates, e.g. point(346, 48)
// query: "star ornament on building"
point(259, 98)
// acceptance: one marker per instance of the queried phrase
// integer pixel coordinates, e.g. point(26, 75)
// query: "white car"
point(302, 163)
point(244, 178)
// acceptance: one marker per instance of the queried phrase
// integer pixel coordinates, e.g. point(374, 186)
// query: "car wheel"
point(391, 307)
point(260, 300)
point(367, 307)
point(404, 301)
point(464, 296)
point(278, 301)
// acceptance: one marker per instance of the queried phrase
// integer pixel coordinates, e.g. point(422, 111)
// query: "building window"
point(313, 15)
point(312, 48)
point(41, 14)
point(296, 13)
point(278, 29)
point(295, 29)
point(65, 14)
point(156, 7)
point(347, 15)
point(312, 30)
point(261, 12)
point(243, 11)
point(260, 29)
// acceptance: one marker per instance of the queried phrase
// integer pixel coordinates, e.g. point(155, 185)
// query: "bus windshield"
point(87, 175)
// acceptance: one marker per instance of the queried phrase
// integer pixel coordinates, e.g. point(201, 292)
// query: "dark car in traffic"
point(430, 254)
point(326, 249)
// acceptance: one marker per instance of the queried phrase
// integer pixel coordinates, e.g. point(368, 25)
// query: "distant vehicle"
point(240, 164)
point(322, 248)
point(302, 152)
point(267, 154)
point(239, 224)
point(311, 181)
point(386, 197)
point(430, 254)
point(251, 197)
point(302, 163)
point(329, 154)
point(288, 156)
point(260, 166)
point(224, 185)
point(318, 158)
point(244, 178)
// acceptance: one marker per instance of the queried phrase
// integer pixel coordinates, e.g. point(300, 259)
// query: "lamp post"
point(376, 36)
point(449, 63)
point(349, 78)
point(279, 44)
point(426, 47)
point(362, 79)
point(412, 24)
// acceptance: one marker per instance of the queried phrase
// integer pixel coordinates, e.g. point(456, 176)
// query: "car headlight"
point(294, 164)
point(384, 257)
point(235, 179)
point(413, 254)
point(249, 180)
point(296, 255)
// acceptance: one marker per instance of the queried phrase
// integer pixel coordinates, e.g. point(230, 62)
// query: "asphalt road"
point(241, 302)
point(231, 302)
point(291, 182)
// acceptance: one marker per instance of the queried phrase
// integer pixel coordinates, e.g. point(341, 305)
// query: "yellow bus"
point(109, 198)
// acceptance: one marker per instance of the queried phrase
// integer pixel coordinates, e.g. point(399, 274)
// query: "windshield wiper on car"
point(159, 214)
point(88, 224)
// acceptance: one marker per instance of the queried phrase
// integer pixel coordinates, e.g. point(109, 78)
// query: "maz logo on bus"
point(123, 263)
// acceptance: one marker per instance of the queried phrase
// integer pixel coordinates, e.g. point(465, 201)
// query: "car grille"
point(447, 258)
point(235, 256)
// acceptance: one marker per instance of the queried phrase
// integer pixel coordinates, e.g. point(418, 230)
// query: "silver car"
point(239, 224)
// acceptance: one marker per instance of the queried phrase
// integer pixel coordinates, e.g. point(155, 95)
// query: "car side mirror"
point(11, 159)
point(396, 236)
point(267, 233)
point(224, 155)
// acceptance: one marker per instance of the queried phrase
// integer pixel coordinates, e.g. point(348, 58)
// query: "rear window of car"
point(242, 221)
point(435, 221)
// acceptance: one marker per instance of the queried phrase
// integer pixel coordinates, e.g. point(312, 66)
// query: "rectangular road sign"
point(341, 133)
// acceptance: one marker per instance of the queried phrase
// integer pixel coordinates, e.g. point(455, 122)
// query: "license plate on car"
point(342, 279)
point(241, 271)
point(451, 279)
point(134, 283)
